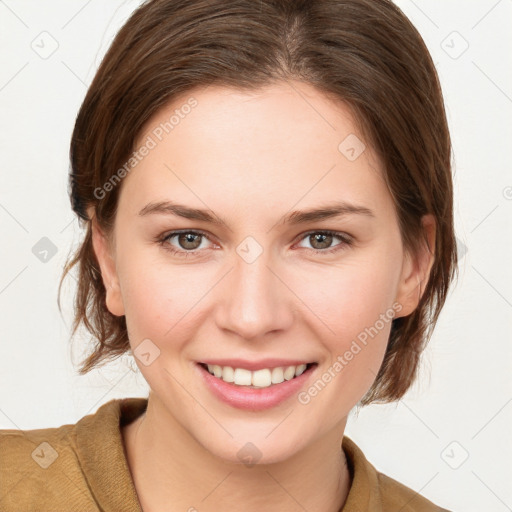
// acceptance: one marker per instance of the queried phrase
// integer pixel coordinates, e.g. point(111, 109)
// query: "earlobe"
point(416, 269)
point(107, 265)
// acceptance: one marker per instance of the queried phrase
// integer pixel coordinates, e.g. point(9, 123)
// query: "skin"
point(251, 158)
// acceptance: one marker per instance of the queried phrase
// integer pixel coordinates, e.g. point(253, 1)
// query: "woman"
point(267, 197)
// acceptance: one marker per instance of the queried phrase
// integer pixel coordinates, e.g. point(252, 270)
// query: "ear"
point(106, 260)
point(416, 269)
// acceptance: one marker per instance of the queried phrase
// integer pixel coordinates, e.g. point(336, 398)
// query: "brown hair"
point(362, 52)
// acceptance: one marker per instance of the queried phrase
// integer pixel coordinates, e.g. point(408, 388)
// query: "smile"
point(239, 389)
point(262, 378)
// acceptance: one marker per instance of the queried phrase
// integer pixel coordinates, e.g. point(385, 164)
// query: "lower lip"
point(254, 399)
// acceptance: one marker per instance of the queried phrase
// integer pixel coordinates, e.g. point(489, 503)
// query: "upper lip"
point(256, 365)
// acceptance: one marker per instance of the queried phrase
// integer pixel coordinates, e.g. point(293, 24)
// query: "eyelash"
point(346, 241)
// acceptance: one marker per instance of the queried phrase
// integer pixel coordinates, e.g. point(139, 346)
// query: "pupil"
point(188, 238)
point(326, 239)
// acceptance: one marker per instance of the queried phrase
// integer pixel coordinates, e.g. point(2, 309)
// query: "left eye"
point(322, 240)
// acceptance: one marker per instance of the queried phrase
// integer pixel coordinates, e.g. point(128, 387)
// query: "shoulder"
point(37, 466)
point(27, 449)
point(372, 490)
point(397, 496)
point(62, 468)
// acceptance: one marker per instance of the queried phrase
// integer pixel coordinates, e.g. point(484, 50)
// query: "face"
point(218, 257)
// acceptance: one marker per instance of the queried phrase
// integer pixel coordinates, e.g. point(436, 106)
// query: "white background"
point(462, 404)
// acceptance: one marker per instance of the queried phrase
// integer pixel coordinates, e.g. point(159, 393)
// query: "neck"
point(172, 471)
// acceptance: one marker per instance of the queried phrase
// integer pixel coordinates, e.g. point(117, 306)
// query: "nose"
point(255, 299)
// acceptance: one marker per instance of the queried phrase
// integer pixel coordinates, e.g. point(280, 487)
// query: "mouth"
point(258, 379)
point(267, 384)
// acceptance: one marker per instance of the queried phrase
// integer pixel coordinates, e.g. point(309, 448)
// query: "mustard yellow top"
point(82, 467)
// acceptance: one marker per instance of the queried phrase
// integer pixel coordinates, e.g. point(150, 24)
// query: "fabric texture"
point(82, 467)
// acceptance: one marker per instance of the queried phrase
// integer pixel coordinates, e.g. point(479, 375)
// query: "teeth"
point(228, 374)
point(300, 369)
point(277, 376)
point(262, 378)
point(257, 379)
point(289, 373)
point(242, 377)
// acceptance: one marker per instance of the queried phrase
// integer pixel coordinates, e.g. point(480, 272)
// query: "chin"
point(254, 450)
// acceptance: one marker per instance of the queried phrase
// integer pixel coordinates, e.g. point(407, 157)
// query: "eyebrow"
point(328, 211)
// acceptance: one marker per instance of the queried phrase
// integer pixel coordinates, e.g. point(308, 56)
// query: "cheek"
point(353, 318)
point(160, 299)
point(351, 296)
point(353, 305)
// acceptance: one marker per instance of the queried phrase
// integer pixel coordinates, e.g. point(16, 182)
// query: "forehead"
point(275, 146)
